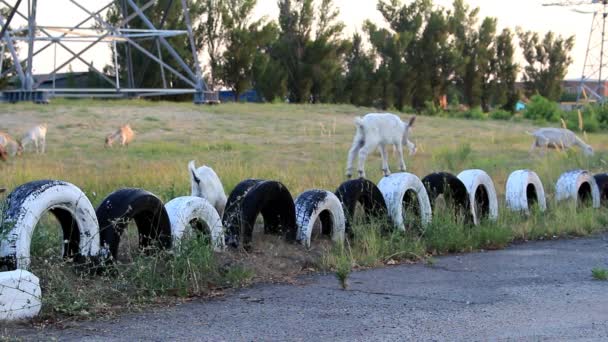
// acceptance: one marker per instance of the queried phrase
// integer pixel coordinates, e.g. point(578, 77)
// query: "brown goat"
point(124, 135)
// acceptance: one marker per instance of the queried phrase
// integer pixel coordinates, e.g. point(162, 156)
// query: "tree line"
point(420, 56)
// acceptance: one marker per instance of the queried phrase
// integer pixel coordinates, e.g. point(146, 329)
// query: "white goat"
point(124, 135)
point(558, 138)
point(378, 130)
point(206, 184)
point(10, 145)
point(36, 136)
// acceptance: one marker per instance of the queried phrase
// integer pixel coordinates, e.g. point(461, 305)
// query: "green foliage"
point(547, 62)
point(500, 114)
point(541, 108)
point(599, 273)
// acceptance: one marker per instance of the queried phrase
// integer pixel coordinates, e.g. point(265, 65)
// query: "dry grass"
point(303, 146)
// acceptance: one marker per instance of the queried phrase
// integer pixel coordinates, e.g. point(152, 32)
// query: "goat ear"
point(192, 169)
point(412, 120)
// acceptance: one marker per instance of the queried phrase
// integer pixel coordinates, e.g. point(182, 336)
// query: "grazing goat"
point(558, 138)
point(124, 135)
point(378, 130)
point(206, 184)
point(10, 145)
point(36, 136)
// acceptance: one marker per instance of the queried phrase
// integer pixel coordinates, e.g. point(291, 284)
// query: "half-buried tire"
point(26, 204)
point(141, 206)
point(482, 194)
point(322, 205)
point(188, 213)
point(453, 191)
point(524, 189)
point(602, 183)
point(367, 195)
point(272, 200)
point(578, 186)
point(405, 190)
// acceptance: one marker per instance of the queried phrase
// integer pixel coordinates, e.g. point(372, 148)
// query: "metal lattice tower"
point(595, 71)
point(91, 31)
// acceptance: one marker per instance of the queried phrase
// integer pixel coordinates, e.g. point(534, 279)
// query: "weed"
point(599, 273)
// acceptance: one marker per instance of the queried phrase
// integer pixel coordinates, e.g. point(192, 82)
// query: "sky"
point(528, 14)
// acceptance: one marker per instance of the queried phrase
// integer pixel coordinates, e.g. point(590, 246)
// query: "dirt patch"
point(272, 259)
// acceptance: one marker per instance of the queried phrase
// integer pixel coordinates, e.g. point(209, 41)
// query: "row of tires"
point(94, 235)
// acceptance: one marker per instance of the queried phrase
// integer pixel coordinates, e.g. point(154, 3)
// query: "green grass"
point(304, 147)
point(600, 273)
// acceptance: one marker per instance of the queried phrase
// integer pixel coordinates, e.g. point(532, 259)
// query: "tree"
point(210, 29)
point(547, 62)
point(242, 41)
point(506, 70)
point(359, 86)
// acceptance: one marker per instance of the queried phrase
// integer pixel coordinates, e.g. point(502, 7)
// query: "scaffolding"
point(593, 80)
point(92, 31)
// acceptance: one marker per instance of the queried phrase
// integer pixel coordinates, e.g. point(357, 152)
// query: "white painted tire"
point(570, 184)
point(518, 193)
point(395, 187)
point(477, 180)
point(20, 295)
point(26, 204)
point(319, 204)
point(183, 210)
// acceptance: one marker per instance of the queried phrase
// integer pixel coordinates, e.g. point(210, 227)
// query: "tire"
point(602, 184)
point(400, 189)
point(20, 295)
point(482, 194)
point(364, 192)
point(120, 207)
point(232, 213)
point(27, 203)
point(183, 211)
point(313, 205)
point(578, 186)
point(524, 188)
point(453, 191)
point(269, 198)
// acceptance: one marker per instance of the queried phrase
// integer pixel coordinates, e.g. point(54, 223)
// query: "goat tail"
point(412, 120)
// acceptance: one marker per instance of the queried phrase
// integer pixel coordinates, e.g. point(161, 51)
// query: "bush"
point(474, 113)
point(500, 114)
point(430, 108)
point(590, 122)
point(540, 108)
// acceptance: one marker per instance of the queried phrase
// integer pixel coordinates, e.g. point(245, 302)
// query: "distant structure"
point(592, 85)
point(94, 30)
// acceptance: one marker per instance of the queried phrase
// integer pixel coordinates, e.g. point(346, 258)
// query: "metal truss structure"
point(592, 87)
point(94, 30)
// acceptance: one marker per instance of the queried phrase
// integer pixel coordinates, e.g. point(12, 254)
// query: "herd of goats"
point(92, 236)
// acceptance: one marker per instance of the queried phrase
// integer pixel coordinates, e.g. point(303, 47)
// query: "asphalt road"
point(534, 291)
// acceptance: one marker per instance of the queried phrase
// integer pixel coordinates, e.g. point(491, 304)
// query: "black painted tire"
point(602, 184)
point(452, 189)
point(367, 194)
point(252, 198)
point(27, 203)
point(148, 211)
point(232, 212)
point(317, 204)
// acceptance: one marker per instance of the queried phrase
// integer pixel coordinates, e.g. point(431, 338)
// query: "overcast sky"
point(529, 14)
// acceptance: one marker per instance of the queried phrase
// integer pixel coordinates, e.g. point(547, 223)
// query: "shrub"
point(590, 122)
point(540, 108)
point(501, 114)
point(474, 113)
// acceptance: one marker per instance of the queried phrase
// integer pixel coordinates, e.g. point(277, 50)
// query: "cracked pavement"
point(532, 291)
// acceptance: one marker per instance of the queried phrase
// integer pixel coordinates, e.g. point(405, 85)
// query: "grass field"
point(303, 146)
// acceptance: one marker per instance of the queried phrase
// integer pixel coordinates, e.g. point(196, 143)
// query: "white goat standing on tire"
point(206, 184)
point(378, 130)
point(558, 138)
